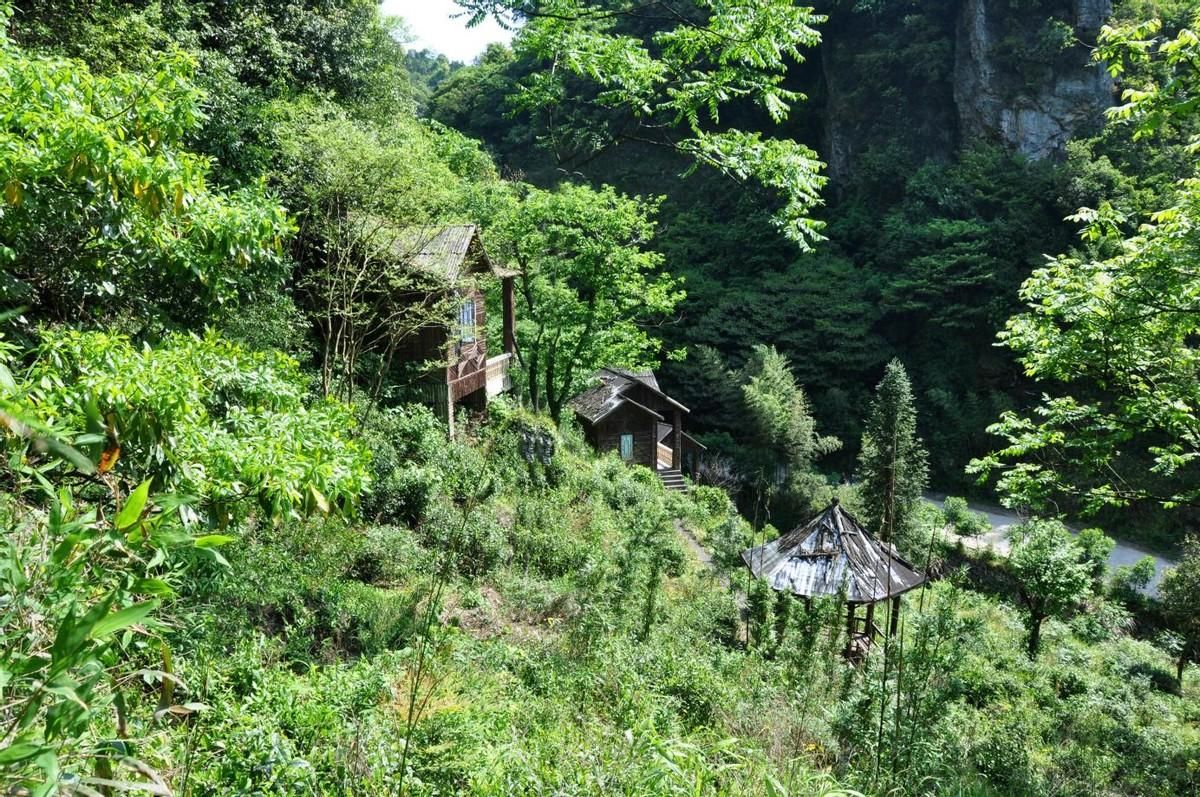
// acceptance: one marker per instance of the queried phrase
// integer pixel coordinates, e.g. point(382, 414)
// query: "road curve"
point(1002, 520)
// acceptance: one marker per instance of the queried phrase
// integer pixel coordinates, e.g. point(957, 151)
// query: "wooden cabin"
point(464, 374)
point(627, 412)
point(834, 555)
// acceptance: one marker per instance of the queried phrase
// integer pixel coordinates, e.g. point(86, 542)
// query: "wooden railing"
point(861, 627)
point(665, 456)
point(498, 379)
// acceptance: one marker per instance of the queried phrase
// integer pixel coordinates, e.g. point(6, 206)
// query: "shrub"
point(389, 555)
point(406, 444)
point(965, 521)
point(1102, 620)
point(547, 538)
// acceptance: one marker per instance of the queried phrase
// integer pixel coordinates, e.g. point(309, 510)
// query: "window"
point(627, 446)
point(466, 321)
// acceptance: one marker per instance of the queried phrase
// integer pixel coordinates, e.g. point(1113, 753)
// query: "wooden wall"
point(607, 434)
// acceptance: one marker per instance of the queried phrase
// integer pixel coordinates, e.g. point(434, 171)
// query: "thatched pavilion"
point(833, 554)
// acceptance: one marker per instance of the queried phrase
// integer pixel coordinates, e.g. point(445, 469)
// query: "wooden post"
point(677, 441)
point(894, 623)
point(510, 316)
point(869, 622)
point(849, 628)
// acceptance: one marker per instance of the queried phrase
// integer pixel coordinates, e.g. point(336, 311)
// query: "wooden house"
point(465, 372)
point(627, 412)
point(834, 555)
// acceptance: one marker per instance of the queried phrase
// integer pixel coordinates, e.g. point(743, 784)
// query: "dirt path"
point(1002, 520)
point(692, 544)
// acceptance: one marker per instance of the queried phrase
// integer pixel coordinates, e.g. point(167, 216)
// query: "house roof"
point(449, 251)
point(611, 392)
point(665, 429)
point(830, 553)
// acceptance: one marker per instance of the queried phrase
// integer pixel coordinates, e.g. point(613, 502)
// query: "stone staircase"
point(672, 479)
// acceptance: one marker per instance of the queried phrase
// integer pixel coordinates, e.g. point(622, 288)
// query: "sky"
point(431, 23)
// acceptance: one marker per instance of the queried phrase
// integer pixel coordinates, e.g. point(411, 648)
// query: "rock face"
point(1032, 101)
point(929, 78)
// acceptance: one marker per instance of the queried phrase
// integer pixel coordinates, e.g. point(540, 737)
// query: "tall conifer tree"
point(892, 466)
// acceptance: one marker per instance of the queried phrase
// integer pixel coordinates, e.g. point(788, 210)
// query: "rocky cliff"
point(939, 75)
point(1030, 86)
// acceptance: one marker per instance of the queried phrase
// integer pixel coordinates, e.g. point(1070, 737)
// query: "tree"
point(1180, 596)
point(1045, 560)
point(783, 443)
point(1094, 549)
point(588, 287)
point(612, 71)
point(892, 466)
point(232, 429)
point(248, 55)
point(104, 208)
point(1110, 335)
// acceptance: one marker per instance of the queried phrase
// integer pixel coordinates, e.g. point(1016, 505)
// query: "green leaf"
point(132, 510)
point(153, 586)
point(123, 619)
point(213, 540)
point(19, 752)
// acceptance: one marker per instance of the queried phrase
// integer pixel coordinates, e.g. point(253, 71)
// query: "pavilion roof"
point(830, 554)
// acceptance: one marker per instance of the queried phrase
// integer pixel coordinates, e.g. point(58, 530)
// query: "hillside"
point(376, 425)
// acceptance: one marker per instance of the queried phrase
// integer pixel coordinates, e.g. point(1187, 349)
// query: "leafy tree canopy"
point(103, 206)
point(1111, 334)
point(588, 288)
point(1180, 595)
point(620, 70)
point(892, 464)
point(200, 416)
point(1050, 573)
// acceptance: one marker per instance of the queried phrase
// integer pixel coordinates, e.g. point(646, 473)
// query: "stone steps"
point(673, 480)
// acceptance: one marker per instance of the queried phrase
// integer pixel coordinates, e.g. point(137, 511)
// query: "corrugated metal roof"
point(830, 553)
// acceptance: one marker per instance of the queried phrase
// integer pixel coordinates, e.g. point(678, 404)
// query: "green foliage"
point(892, 469)
point(105, 209)
point(80, 628)
point(1095, 547)
point(1113, 331)
point(517, 615)
point(588, 286)
point(201, 416)
point(1051, 578)
point(783, 444)
point(649, 83)
point(247, 57)
point(1180, 589)
point(1129, 582)
point(956, 513)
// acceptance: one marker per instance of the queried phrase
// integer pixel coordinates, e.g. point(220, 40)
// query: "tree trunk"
point(1035, 635)
point(1180, 665)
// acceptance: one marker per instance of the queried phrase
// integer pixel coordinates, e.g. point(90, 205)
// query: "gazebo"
point(833, 554)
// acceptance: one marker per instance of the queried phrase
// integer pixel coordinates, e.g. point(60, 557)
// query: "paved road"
point(1002, 520)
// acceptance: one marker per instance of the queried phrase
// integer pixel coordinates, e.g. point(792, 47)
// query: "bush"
point(390, 555)
point(406, 445)
point(548, 539)
point(965, 521)
point(1129, 581)
point(1102, 620)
